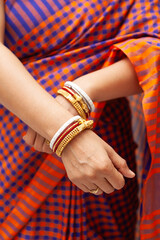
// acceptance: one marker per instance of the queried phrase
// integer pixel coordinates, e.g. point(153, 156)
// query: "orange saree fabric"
point(144, 53)
point(59, 41)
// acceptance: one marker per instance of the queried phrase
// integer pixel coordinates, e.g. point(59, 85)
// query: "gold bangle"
point(82, 103)
point(73, 101)
point(62, 136)
point(83, 125)
point(79, 99)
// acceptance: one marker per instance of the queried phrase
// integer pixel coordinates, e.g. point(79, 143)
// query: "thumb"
point(119, 163)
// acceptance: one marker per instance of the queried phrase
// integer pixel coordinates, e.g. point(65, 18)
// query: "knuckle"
point(104, 166)
point(91, 174)
point(123, 164)
point(108, 168)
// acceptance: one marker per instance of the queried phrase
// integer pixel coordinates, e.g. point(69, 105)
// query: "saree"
point(59, 41)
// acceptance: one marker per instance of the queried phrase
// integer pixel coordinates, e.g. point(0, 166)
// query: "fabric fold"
point(45, 180)
point(144, 54)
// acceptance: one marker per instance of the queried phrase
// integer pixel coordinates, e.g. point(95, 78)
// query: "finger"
point(38, 143)
point(105, 186)
point(30, 137)
point(119, 163)
point(92, 186)
point(82, 187)
point(46, 148)
point(114, 177)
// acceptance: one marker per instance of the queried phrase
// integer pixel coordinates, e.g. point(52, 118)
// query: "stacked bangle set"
point(84, 105)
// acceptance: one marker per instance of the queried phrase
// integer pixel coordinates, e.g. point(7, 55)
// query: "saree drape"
point(59, 41)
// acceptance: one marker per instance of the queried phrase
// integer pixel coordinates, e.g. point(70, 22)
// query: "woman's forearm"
point(117, 80)
point(23, 96)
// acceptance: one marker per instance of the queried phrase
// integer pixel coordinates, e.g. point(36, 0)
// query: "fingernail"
point(132, 173)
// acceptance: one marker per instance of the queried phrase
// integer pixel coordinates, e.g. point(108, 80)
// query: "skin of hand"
point(88, 160)
point(101, 166)
point(36, 141)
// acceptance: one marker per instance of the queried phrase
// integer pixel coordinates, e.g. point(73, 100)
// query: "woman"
point(57, 42)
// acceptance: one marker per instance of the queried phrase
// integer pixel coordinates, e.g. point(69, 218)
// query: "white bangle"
point(64, 126)
point(85, 97)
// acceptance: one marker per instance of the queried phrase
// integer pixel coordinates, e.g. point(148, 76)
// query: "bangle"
point(79, 99)
point(73, 101)
point(64, 126)
point(63, 134)
point(83, 124)
point(78, 90)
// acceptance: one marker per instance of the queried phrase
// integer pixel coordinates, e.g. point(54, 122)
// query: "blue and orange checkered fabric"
point(57, 41)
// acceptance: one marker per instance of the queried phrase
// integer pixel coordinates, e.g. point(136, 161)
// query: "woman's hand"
point(36, 141)
point(90, 163)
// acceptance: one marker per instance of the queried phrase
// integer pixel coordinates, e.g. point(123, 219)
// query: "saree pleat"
point(59, 41)
point(148, 72)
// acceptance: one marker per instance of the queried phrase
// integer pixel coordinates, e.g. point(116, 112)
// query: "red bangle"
point(68, 90)
point(63, 134)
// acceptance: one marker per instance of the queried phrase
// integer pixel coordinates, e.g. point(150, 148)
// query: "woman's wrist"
point(85, 83)
point(114, 81)
point(66, 104)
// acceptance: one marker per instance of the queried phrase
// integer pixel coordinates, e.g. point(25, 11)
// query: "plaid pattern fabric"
point(59, 41)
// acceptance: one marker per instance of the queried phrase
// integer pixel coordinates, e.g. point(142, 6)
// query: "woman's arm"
point(88, 160)
point(114, 81)
point(23, 96)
